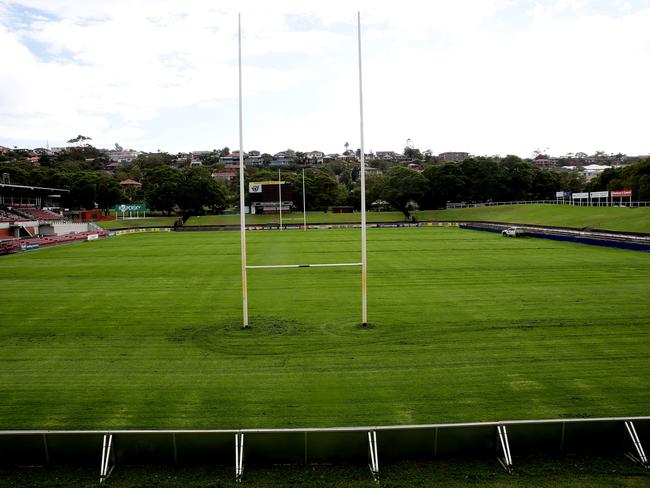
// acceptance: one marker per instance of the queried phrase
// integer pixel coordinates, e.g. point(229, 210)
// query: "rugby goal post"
point(242, 215)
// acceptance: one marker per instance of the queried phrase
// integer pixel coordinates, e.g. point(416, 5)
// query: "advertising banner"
point(131, 207)
point(559, 194)
point(580, 196)
point(621, 193)
point(254, 187)
point(599, 194)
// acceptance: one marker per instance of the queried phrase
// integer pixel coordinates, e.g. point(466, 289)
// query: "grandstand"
point(14, 245)
point(35, 213)
point(7, 216)
point(26, 223)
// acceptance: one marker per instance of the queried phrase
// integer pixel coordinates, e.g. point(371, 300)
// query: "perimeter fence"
point(504, 440)
point(625, 203)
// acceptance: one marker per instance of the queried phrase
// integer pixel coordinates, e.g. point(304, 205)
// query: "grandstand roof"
point(23, 187)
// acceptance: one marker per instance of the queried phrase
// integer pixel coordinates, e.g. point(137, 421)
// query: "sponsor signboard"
point(92, 237)
point(256, 186)
point(580, 196)
point(599, 194)
point(28, 247)
point(621, 193)
point(559, 194)
point(130, 207)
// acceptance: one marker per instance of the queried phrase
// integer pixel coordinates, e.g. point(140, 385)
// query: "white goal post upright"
point(242, 214)
point(363, 263)
point(280, 196)
point(304, 209)
point(364, 297)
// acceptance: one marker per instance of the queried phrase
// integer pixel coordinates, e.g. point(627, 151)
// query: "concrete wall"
point(66, 228)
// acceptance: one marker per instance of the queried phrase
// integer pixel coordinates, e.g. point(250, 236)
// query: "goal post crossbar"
point(324, 265)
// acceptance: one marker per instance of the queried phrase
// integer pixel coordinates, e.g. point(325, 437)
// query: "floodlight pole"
point(242, 216)
point(280, 196)
point(304, 208)
point(364, 263)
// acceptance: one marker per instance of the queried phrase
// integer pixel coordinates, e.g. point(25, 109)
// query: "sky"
point(482, 76)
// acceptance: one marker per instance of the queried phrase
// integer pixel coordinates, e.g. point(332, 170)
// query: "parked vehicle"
point(513, 232)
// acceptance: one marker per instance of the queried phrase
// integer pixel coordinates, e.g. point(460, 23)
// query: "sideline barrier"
point(595, 238)
point(616, 436)
point(140, 230)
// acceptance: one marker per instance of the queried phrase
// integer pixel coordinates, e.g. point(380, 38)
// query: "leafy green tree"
point(91, 190)
point(402, 186)
point(321, 190)
point(161, 186)
point(79, 139)
point(446, 183)
point(375, 190)
point(151, 160)
point(199, 190)
point(413, 153)
point(572, 181)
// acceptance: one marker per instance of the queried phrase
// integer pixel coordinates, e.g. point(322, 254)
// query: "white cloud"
point(483, 76)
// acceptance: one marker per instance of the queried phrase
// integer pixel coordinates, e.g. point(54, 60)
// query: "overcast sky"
point(482, 76)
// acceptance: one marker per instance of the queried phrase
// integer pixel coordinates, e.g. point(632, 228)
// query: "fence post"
point(506, 462)
point(239, 456)
point(374, 454)
point(107, 454)
point(640, 456)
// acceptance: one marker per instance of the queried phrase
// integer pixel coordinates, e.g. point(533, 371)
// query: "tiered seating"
point(9, 246)
point(7, 216)
point(40, 214)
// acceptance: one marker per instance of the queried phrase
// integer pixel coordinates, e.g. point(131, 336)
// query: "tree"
point(79, 139)
point(413, 153)
point(572, 181)
point(151, 160)
point(321, 190)
point(404, 185)
point(446, 183)
point(161, 186)
point(375, 190)
point(108, 193)
point(199, 190)
point(88, 189)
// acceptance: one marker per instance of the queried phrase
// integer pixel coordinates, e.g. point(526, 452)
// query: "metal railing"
point(451, 205)
point(500, 440)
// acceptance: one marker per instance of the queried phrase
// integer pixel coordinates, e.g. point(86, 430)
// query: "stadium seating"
point(14, 245)
point(40, 214)
point(7, 216)
point(10, 245)
point(51, 240)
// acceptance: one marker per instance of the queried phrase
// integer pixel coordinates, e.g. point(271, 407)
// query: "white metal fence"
point(575, 203)
point(504, 440)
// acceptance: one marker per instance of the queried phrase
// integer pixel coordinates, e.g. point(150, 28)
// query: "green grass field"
point(143, 331)
point(610, 218)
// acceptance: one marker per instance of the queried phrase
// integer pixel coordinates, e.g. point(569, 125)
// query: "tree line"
point(170, 189)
